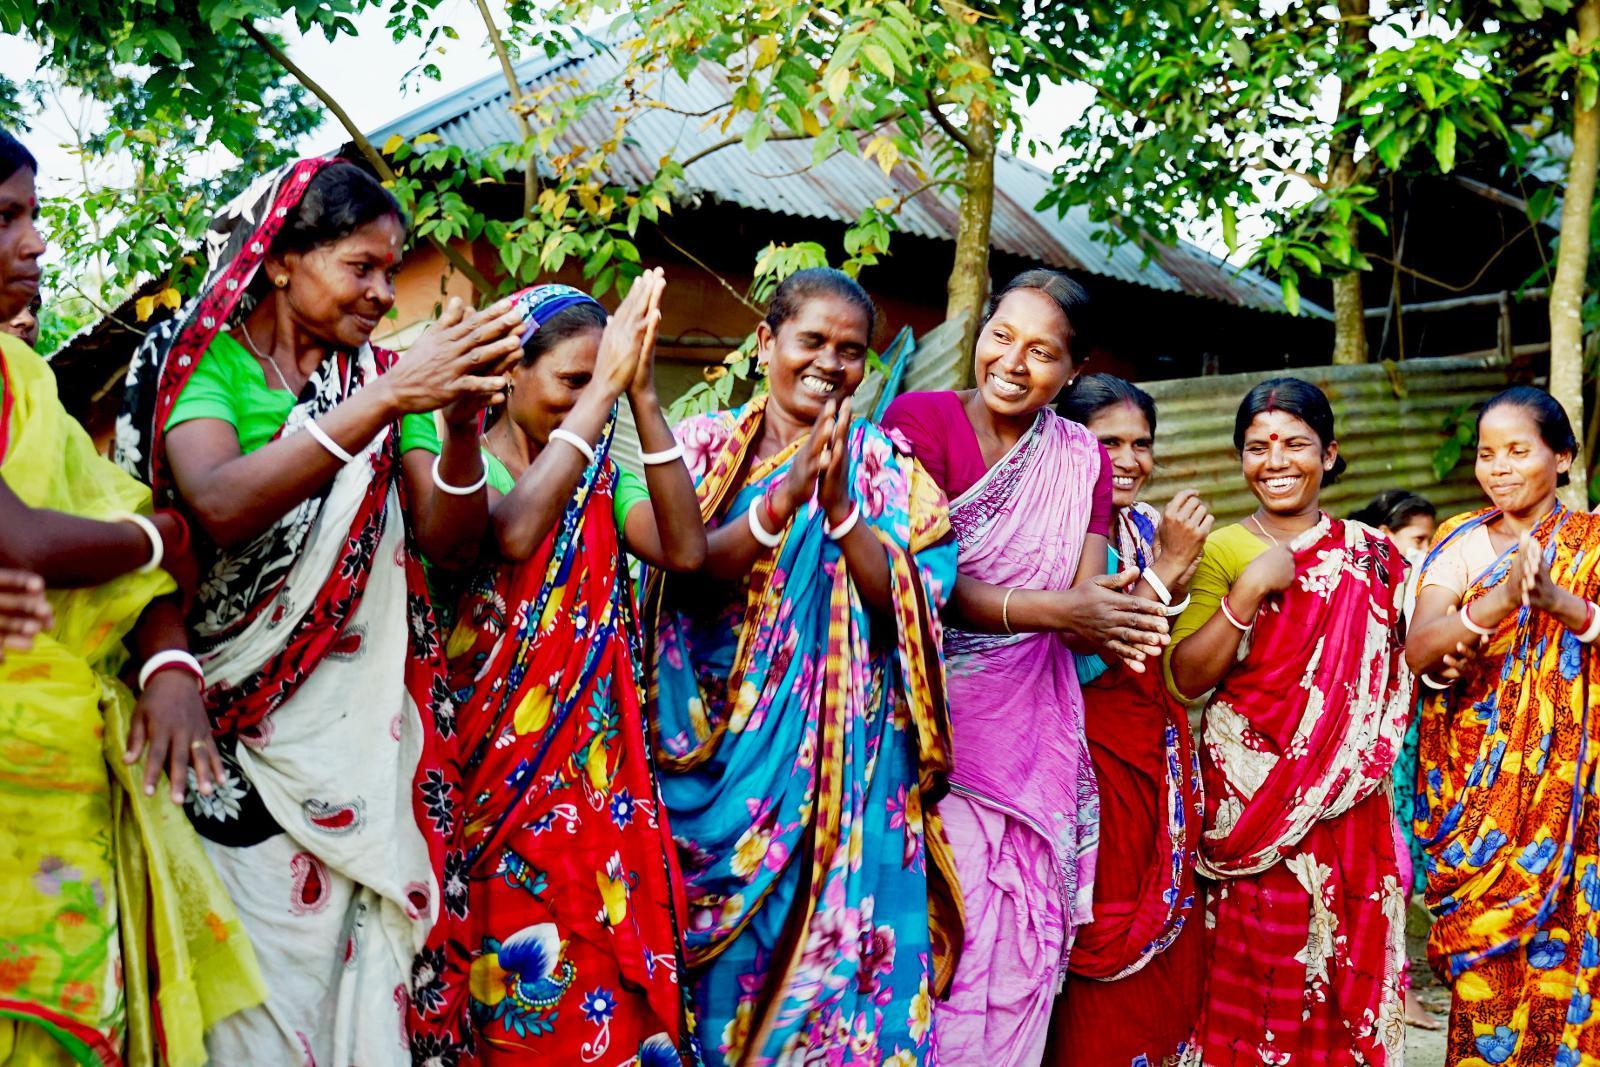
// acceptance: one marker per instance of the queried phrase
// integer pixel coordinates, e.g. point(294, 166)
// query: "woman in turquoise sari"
point(801, 734)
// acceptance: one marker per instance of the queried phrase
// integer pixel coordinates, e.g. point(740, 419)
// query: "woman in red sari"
point(1141, 961)
point(564, 945)
point(1295, 628)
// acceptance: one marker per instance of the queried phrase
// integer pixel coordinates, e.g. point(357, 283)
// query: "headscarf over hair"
point(236, 243)
point(541, 303)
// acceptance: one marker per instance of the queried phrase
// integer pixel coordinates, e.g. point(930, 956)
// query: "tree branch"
point(373, 156)
point(950, 128)
point(697, 261)
point(530, 166)
point(1470, 283)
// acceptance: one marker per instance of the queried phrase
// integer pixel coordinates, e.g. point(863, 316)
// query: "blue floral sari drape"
point(800, 743)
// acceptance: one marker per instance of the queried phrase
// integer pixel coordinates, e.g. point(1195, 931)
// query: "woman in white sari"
point(264, 413)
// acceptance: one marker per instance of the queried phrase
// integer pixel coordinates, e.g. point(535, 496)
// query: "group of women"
point(829, 782)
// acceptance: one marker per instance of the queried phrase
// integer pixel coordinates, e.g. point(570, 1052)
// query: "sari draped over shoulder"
point(1510, 820)
point(116, 938)
point(326, 690)
point(559, 940)
point(1141, 961)
point(1023, 814)
point(1307, 924)
point(801, 745)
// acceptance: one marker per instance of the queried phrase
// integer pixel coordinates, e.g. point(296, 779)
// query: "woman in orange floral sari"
point(1508, 750)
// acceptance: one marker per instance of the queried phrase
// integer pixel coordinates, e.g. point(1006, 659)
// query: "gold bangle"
point(1005, 611)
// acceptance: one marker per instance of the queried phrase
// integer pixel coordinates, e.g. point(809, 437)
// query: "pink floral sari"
point(1023, 813)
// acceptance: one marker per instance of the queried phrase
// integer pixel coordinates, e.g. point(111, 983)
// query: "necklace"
point(1263, 530)
point(249, 341)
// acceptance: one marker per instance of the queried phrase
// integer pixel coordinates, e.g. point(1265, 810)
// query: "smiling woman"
point(1031, 503)
point(799, 723)
point(263, 411)
point(1295, 627)
point(1507, 748)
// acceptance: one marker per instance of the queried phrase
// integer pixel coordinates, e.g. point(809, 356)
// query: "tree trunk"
point(968, 287)
point(1349, 322)
point(1572, 263)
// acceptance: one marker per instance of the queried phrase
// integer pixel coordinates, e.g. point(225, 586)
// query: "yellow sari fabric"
point(111, 906)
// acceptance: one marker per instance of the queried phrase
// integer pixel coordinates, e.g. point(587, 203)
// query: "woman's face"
point(1125, 433)
point(1414, 537)
point(1516, 469)
point(339, 291)
point(20, 243)
point(1283, 462)
point(818, 355)
point(543, 393)
point(1021, 359)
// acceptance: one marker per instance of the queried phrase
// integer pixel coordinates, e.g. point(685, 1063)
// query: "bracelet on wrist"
point(848, 523)
point(1227, 613)
point(1466, 620)
point(666, 455)
point(459, 490)
point(1591, 628)
point(1153, 580)
point(1174, 610)
point(158, 547)
point(1429, 681)
point(171, 659)
point(764, 537)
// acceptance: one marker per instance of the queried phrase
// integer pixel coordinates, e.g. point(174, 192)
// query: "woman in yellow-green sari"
point(117, 942)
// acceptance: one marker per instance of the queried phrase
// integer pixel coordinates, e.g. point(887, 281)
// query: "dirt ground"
point(1424, 1048)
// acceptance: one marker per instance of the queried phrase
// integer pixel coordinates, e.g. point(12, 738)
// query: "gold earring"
point(281, 281)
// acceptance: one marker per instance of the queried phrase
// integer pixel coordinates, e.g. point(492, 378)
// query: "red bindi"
point(1272, 437)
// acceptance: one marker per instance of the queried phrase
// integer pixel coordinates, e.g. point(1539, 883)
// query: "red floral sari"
point(559, 942)
point(1306, 929)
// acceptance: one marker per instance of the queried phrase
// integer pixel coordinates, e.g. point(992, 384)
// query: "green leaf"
point(878, 56)
point(1291, 291)
point(166, 43)
point(1230, 228)
point(1444, 145)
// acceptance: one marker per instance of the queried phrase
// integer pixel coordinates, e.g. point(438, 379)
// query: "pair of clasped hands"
point(1527, 585)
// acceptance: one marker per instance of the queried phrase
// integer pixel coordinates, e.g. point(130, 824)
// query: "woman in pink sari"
point(1030, 505)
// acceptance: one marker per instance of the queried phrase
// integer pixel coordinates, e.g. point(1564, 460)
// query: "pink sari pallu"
point(1023, 814)
point(1297, 742)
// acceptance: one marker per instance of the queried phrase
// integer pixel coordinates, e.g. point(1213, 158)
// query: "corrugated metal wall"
point(1388, 417)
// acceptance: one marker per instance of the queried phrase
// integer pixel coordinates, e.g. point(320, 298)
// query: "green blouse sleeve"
point(420, 431)
point(630, 490)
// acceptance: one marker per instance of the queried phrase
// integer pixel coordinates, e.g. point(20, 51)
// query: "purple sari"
point(1023, 813)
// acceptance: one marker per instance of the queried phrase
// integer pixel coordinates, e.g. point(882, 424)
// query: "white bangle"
point(1174, 610)
point(762, 535)
point(172, 657)
point(1466, 620)
point(558, 434)
point(321, 437)
point(157, 549)
point(1592, 631)
point(1428, 681)
point(1227, 613)
point(837, 533)
point(458, 490)
point(667, 455)
point(1162, 592)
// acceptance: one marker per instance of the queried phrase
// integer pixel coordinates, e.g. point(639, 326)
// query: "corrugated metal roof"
point(779, 177)
point(1388, 417)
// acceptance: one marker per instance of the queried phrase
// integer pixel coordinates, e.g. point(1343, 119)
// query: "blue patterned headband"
point(541, 303)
